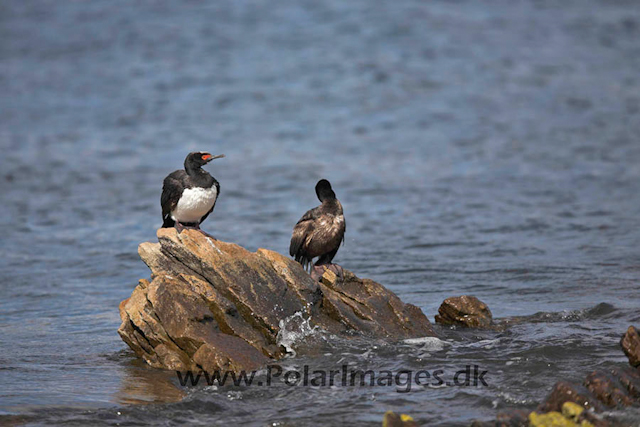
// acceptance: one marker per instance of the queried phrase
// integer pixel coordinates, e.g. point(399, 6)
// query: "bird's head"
point(324, 190)
point(199, 158)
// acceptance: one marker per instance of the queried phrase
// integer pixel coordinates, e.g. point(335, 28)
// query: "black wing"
point(217, 184)
point(301, 231)
point(172, 188)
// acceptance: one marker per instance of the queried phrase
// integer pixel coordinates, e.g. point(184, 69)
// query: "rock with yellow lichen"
point(570, 417)
point(391, 419)
point(572, 410)
point(213, 305)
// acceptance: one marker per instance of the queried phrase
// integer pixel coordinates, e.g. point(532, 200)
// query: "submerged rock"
point(213, 305)
point(608, 389)
point(572, 404)
point(566, 392)
point(514, 418)
point(466, 310)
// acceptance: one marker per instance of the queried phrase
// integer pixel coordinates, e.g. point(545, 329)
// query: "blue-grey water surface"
point(478, 147)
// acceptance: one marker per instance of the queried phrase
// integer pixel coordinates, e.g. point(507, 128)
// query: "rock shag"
point(189, 195)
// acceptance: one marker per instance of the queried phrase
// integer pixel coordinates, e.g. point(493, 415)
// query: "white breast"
point(194, 204)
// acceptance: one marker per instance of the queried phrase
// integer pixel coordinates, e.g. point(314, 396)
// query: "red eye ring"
point(206, 156)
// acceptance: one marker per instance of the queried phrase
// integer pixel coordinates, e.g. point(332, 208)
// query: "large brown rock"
point(214, 305)
point(466, 310)
point(631, 346)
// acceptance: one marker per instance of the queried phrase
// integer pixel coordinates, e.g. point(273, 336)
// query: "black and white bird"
point(320, 231)
point(189, 195)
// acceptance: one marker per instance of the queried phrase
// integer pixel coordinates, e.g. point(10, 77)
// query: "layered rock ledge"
point(212, 305)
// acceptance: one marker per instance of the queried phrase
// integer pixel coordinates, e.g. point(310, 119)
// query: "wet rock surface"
point(214, 305)
point(631, 346)
point(467, 311)
point(566, 392)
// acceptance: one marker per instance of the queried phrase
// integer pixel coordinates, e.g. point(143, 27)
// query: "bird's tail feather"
point(167, 222)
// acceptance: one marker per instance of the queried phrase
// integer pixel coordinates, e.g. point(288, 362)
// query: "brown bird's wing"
point(326, 241)
point(326, 235)
point(301, 231)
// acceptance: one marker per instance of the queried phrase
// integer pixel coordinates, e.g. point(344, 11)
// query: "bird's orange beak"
point(208, 157)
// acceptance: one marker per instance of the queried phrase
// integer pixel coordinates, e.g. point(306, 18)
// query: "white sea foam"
point(293, 329)
point(430, 343)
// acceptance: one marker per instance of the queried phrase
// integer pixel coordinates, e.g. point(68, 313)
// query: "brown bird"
point(320, 230)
